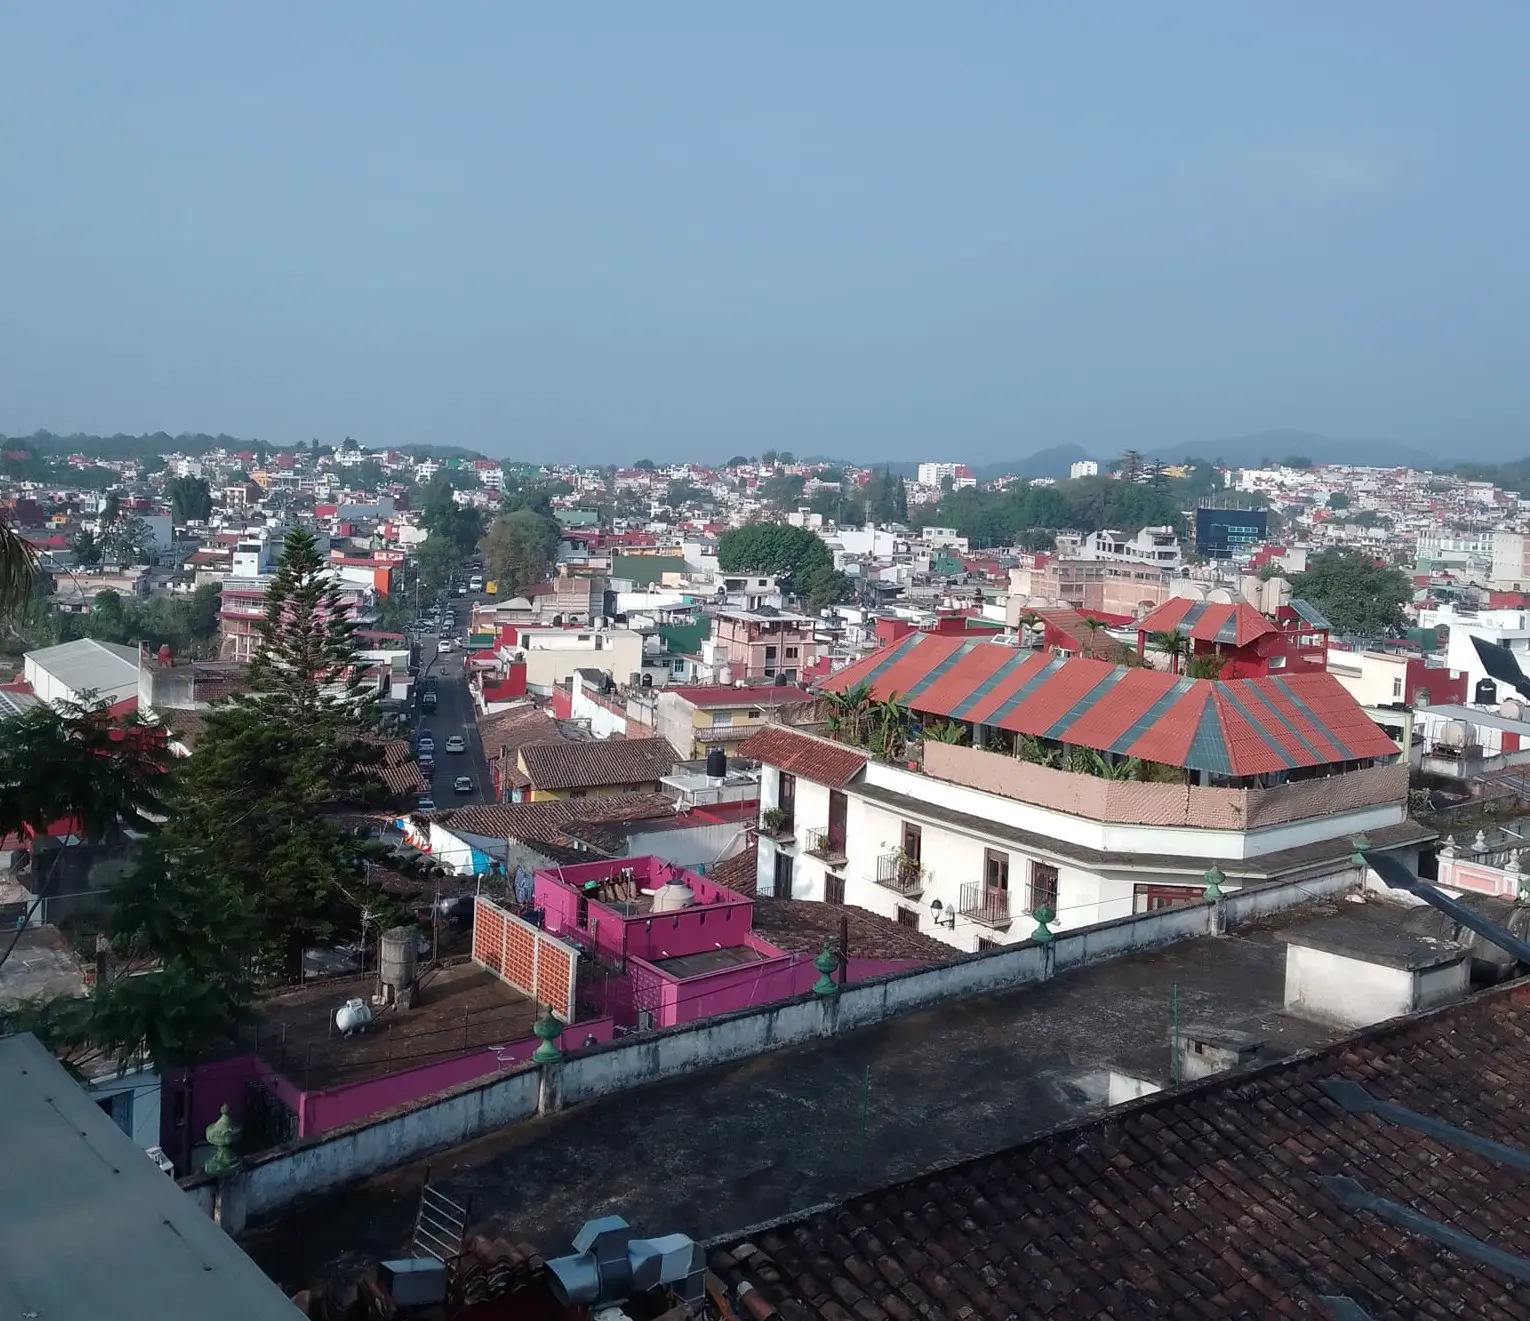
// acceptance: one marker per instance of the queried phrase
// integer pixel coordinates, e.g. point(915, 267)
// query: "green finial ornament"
point(826, 962)
point(1214, 878)
point(1362, 846)
point(223, 1134)
point(1043, 933)
point(547, 1029)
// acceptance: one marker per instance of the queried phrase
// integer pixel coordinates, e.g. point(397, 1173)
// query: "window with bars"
point(833, 888)
point(1043, 890)
point(908, 917)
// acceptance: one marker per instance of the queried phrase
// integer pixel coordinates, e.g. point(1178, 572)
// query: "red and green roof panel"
point(1235, 727)
point(1231, 624)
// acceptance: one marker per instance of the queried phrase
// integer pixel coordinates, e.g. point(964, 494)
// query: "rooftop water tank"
point(672, 896)
point(717, 764)
point(396, 968)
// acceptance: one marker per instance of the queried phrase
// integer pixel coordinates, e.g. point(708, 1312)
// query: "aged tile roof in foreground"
point(1234, 727)
point(815, 759)
point(1208, 1202)
point(596, 765)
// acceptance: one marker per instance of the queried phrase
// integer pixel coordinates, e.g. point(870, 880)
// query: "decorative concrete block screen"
point(539, 966)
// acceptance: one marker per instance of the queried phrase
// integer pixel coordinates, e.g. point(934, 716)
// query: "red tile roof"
point(596, 765)
point(816, 759)
point(1233, 625)
point(1221, 1200)
point(1239, 727)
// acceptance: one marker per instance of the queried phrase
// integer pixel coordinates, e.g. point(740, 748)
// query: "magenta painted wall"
point(322, 1111)
point(720, 917)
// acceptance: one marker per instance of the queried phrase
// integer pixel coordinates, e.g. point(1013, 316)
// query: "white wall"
point(1110, 837)
point(1332, 988)
point(143, 1086)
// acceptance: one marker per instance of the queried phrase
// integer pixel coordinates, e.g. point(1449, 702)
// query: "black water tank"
point(717, 763)
point(1486, 693)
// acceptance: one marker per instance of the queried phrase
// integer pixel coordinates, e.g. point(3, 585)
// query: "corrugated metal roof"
point(1233, 625)
point(1234, 727)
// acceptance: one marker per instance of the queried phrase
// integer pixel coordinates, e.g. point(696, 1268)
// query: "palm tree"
point(889, 735)
point(946, 731)
point(1028, 621)
point(1093, 628)
point(1208, 666)
point(849, 714)
point(1171, 644)
point(18, 571)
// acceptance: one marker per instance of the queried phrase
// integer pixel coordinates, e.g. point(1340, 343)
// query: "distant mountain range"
point(1252, 451)
point(1284, 443)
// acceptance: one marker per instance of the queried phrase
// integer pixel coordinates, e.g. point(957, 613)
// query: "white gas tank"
point(353, 1016)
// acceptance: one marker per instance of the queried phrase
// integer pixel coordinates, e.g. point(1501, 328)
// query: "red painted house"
point(1249, 643)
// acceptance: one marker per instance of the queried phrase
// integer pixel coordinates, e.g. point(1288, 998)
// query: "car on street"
point(427, 765)
point(463, 784)
point(456, 743)
point(426, 805)
point(446, 645)
point(427, 744)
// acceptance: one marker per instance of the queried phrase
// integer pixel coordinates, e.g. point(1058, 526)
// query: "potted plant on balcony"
point(775, 822)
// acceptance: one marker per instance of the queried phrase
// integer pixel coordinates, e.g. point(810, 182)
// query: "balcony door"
point(839, 813)
point(786, 796)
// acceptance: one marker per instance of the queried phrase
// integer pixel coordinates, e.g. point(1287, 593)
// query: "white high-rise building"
point(932, 474)
point(1084, 468)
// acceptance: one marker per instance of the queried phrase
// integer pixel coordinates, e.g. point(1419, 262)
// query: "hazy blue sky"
point(874, 229)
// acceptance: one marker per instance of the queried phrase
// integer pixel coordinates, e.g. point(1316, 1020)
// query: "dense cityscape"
point(366, 773)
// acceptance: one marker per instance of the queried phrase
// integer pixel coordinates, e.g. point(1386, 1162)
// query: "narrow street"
point(453, 715)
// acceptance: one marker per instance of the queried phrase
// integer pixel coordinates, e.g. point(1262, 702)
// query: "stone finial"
point(1448, 848)
point(547, 1029)
point(1043, 933)
point(1512, 865)
point(826, 963)
point(1214, 878)
point(223, 1134)
point(1479, 844)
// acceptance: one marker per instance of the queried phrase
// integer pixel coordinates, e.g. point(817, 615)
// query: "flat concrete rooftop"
point(722, 1150)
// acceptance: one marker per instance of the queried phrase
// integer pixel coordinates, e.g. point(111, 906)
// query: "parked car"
point(426, 805)
point(427, 743)
point(463, 784)
point(456, 743)
point(427, 765)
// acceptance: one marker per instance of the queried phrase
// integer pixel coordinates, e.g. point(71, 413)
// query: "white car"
point(463, 784)
point(446, 645)
point(426, 805)
point(456, 743)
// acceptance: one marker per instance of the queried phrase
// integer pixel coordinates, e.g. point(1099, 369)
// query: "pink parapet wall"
point(212, 1086)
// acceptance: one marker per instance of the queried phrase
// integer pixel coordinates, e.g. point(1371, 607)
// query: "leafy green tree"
point(518, 550)
point(1296, 461)
point(785, 456)
point(87, 553)
point(737, 461)
point(1130, 466)
point(190, 499)
point(784, 490)
point(1357, 594)
point(769, 458)
point(793, 554)
point(681, 493)
point(645, 465)
point(1338, 501)
point(127, 541)
point(828, 586)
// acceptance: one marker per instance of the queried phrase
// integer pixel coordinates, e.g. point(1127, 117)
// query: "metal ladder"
point(440, 1225)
